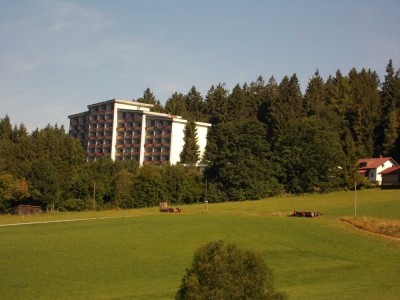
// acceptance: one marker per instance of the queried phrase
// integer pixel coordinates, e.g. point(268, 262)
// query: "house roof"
point(373, 163)
point(392, 170)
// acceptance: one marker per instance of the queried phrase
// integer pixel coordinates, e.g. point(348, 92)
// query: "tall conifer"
point(191, 152)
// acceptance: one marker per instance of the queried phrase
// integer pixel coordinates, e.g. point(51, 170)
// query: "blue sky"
point(56, 57)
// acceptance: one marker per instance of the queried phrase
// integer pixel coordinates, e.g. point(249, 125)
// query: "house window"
point(372, 174)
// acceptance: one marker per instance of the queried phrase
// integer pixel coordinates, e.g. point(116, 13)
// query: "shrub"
point(223, 271)
point(72, 204)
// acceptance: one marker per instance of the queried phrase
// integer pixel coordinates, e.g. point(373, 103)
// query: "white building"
point(372, 168)
point(125, 130)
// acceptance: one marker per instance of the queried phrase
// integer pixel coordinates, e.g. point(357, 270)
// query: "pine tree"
point(239, 107)
point(314, 98)
point(389, 129)
point(149, 98)
point(176, 105)
point(256, 93)
point(191, 152)
point(239, 160)
point(194, 105)
point(5, 128)
point(364, 110)
point(216, 104)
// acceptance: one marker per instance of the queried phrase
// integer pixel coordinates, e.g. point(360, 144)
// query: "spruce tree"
point(216, 104)
point(176, 105)
point(389, 129)
point(191, 151)
point(194, 105)
point(314, 98)
point(149, 98)
point(364, 110)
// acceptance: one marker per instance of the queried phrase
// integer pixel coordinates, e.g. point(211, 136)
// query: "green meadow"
point(143, 254)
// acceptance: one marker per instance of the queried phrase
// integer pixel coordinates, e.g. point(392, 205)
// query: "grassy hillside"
point(144, 254)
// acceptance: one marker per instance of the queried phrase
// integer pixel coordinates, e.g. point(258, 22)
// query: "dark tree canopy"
point(267, 138)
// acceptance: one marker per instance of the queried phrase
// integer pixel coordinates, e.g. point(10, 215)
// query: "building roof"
point(123, 101)
point(392, 170)
point(373, 163)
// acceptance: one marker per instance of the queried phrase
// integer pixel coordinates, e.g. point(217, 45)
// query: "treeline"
point(267, 138)
point(49, 169)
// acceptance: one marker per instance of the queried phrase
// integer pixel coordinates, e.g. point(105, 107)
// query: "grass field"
point(142, 254)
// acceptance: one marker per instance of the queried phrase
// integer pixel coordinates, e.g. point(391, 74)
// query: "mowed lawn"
point(143, 254)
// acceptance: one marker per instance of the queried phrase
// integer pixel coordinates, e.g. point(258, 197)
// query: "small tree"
point(223, 271)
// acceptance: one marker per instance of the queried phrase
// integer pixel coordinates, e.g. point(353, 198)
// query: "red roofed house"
point(391, 176)
point(371, 168)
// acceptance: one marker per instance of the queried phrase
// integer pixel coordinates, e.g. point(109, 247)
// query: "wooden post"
point(355, 200)
point(94, 195)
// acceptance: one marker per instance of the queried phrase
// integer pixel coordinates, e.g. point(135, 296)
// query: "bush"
point(220, 271)
point(72, 204)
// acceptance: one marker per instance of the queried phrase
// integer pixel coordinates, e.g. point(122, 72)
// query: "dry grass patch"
point(385, 227)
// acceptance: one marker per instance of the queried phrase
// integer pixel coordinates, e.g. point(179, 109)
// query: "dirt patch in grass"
point(385, 227)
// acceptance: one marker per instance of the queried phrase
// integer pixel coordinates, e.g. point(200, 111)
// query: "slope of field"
point(143, 254)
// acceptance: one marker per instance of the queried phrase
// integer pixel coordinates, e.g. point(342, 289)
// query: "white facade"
point(372, 167)
point(125, 130)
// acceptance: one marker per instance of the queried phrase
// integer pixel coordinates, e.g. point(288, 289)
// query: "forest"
point(267, 138)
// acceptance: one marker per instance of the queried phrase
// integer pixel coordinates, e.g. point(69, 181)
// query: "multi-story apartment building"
point(125, 130)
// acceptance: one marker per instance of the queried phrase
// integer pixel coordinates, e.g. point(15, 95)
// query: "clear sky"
point(56, 57)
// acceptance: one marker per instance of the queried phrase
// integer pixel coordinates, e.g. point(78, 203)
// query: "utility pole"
point(355, 200)
point(205, 198)
point(94, 195)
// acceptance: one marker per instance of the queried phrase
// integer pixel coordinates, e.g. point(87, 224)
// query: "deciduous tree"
point(224, 271)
